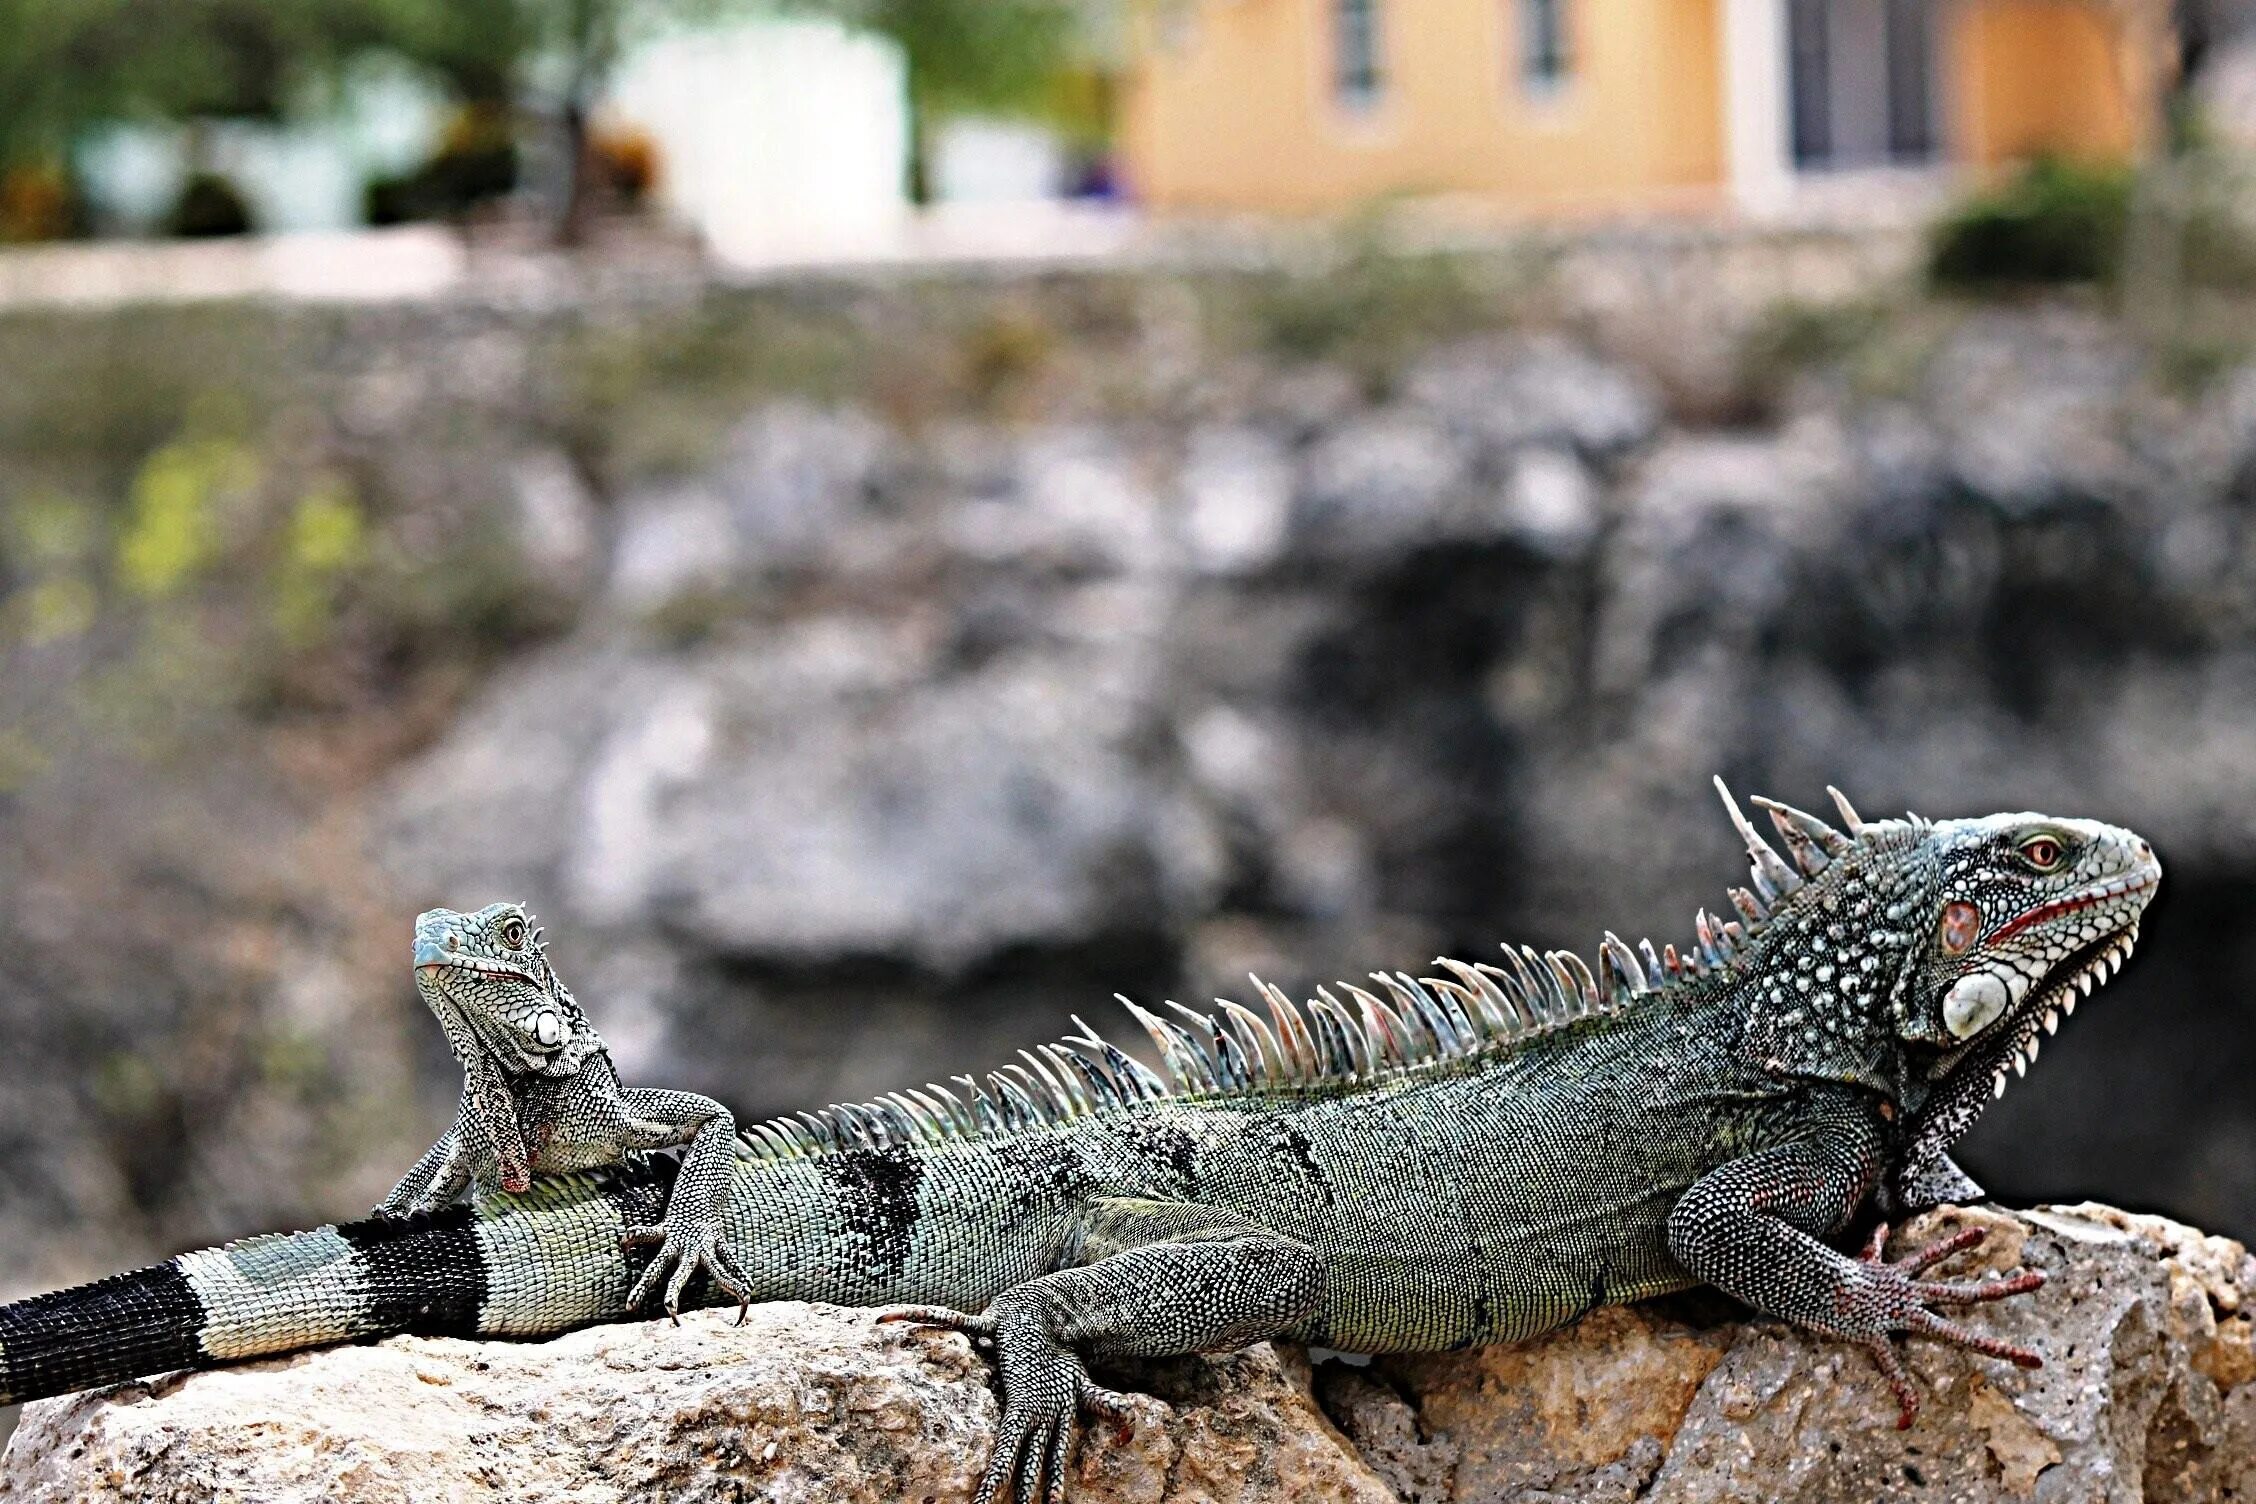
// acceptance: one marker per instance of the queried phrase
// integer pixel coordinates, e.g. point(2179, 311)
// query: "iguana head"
point(1930, 958)
point(2027, 915)
point(486, 976)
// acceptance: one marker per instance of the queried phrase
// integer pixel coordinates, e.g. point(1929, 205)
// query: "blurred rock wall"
point(859, 680)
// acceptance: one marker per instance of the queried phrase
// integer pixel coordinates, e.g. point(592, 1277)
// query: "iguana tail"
point(529, 1265)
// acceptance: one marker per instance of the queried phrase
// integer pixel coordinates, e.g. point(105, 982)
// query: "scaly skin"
point(1478, 1160)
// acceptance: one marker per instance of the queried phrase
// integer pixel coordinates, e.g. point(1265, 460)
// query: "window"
point(1546, 61)
point(1359, 72)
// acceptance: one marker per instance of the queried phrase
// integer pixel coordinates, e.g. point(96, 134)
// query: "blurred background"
point(887, 522)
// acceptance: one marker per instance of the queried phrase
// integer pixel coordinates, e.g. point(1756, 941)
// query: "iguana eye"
point(513, 932)
point(2042, 853)
point(1962, 923)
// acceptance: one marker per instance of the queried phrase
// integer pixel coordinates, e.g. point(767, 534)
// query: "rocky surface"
point(2146, 1395)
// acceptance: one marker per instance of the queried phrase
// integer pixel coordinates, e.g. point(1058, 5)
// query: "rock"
point(795, 476)
point(672, 543)
point(834, 786)
point(2146, 1395)
point(1379, 484)
point(1550, 502)
point(1535, 390)
point(1236, 499)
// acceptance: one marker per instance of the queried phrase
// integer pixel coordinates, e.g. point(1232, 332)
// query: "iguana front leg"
point(484, 1143)
point(690, 1237)
point(1751, 1228)
point(1151, 1279)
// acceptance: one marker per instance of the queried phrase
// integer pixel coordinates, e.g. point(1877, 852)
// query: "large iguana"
point(1472, 1157)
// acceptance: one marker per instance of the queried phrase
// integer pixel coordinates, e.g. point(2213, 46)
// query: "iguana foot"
point(1045, 1387)
point(681, 1253)
point(1892, 1298)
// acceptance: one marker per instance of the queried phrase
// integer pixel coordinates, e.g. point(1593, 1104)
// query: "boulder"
point(2145, 1396)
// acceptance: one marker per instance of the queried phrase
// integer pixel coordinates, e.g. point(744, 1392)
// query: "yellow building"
point(1559, 106)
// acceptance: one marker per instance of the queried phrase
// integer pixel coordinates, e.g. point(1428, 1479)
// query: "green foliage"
point(994, 56)
point(1791, 337)
point(172, 531)
point(2058, 221)
point(325, 539)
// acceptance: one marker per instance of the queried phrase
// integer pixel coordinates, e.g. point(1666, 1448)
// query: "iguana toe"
point(1893, 1299)
point(681, 1254)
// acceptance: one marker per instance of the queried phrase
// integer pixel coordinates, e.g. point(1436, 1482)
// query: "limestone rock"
point(2146, 1395)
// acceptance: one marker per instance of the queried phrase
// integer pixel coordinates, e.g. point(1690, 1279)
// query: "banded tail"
point(529, 1265)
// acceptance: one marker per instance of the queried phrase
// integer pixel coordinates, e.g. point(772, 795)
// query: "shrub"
point(2058, 221)
point(209, 205)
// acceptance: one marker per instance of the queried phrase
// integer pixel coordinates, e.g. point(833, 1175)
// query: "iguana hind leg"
point(1149, 1279)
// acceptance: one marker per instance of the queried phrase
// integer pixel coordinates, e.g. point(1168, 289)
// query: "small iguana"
point(539, 1097)
point(1468, 1158)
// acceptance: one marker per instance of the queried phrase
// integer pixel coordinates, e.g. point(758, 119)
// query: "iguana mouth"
point(444, 961)
point(2070, 981)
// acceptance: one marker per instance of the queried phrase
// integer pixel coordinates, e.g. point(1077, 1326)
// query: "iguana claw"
point(1897, 1300)
point(1045, 1387)
point(680, 1255)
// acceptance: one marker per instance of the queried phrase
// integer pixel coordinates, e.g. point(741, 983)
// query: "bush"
point(2057, 222)
point(476, 162)
point(209, 205)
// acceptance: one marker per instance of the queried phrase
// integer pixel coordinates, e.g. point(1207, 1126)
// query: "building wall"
point(1233, 107)
point(2029, 76)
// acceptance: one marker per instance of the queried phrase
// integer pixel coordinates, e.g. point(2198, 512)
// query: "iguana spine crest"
point(1478, 1008)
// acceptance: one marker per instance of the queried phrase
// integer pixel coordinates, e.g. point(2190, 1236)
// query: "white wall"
point(776, 137)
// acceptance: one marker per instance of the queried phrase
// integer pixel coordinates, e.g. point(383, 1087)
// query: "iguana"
point(1471, 1157)
point(539, 1096)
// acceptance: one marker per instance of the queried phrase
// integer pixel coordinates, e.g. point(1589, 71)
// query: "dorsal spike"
point(1064, 1097)
point(1019, 1107)
point(1292, 1031)
point(1269, 1055)
point(1652, 960)
point(1849, 817)
point(1621, 976)
point(1750, 907)
point(1103, 1090)
point(1772, 876)
point(1811, 842)
point(1214, 1045)
point(942, 1121)
point(1346, 1032)
point(1231, 1067)
point(1508, 989)
point(1460, 1001)
point(1549, 993)
point(1486, 1002)
point(1128, 1077)
point(1448, 1038)
point(923, 1126)
point(1185, 1058)
point(1403, 1042)
point(1574, 976)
